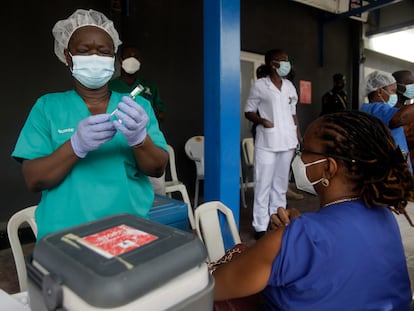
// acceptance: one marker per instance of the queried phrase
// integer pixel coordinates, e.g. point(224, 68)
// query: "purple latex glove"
point(132, 121)
point(92, 132)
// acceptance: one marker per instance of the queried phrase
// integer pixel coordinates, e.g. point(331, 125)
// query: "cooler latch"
point(52, 292)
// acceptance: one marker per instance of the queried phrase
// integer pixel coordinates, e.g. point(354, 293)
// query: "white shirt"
point(277, 106)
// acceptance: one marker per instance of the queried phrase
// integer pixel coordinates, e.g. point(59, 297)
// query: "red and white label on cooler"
point(117, 240)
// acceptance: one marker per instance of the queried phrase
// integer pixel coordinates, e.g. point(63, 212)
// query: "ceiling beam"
point(374, 5)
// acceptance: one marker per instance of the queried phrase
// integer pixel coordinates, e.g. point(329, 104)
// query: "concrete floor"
point(8, 277)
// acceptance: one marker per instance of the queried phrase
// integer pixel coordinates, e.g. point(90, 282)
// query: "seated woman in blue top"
point(87, 163)
point(349, 254)
point(381, 88)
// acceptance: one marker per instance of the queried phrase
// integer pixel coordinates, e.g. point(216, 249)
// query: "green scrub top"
point(107, 181)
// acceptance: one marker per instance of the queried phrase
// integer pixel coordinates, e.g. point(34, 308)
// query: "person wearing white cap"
point(89, 150)
point(381, 89)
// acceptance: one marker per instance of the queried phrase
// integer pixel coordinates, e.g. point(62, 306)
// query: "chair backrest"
point(25, 215)
point(208, 227)
point(174, 185)
point(248, 151)
point(171, 163)
point(194, 148)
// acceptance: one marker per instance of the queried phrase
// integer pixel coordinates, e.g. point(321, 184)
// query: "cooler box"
point(122, 263)
point(170, 212)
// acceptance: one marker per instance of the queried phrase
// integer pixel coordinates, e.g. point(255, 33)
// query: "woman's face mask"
point(284, 68)
point(92, 71)
point(301, 178)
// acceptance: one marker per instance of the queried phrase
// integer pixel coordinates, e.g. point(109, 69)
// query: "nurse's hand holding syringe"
point(92, 132)
point(132, 119)
point(134, 93)
point(95, 130)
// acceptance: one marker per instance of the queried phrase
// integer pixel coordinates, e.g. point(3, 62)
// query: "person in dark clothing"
point(336, 99)
point(405, 116)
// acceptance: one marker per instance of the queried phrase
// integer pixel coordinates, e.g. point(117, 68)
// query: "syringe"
point(134, 93)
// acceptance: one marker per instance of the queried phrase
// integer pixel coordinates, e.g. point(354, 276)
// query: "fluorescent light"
point(398, 44)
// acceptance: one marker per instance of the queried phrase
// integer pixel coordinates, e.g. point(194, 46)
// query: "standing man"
point(336, 99)
point(405, 116)
point(272, 105)
point(130, 58)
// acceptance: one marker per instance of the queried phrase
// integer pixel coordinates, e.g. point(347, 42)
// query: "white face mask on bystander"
point(131, 65)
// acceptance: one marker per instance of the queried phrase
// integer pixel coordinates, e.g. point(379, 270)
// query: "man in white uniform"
point(272, 105)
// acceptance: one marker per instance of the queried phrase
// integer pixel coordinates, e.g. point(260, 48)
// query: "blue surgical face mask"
point(93, 71)
point(284, 68)
point(392, 99)
point(409, 91)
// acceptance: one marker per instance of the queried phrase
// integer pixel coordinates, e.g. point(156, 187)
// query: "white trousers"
point(270, 185)
point(158, 184)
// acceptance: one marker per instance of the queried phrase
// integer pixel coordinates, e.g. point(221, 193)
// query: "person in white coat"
point(272, 105)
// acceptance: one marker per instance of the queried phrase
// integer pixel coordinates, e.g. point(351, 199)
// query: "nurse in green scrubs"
point(87, 162)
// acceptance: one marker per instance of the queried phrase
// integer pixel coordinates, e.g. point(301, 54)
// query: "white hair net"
point(63, 29)
point(378, 79)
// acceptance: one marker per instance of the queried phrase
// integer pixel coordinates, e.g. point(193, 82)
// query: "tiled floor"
point(8, 277)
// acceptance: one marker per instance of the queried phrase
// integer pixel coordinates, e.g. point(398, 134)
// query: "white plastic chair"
point(25, 215)
point(194, 148)
point(174, 185)
point(208, 227)
point(248, 159)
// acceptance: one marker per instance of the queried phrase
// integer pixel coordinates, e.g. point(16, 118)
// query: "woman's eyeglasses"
point(301, 150)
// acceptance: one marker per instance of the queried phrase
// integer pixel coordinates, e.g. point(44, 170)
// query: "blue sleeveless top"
point(344, 257)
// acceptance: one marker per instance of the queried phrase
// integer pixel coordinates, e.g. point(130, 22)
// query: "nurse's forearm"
point(255, 118)
point(298, 133)
point(150, 158)
point(46, 172)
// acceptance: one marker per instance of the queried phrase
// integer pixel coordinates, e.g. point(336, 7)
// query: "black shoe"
point(258, 235)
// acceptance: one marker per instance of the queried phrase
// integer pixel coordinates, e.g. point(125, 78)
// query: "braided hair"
point(375, 165)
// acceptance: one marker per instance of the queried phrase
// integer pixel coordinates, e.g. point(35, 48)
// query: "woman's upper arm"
point(253, 99)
